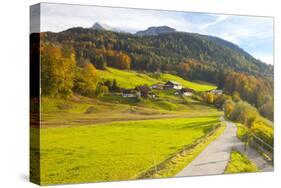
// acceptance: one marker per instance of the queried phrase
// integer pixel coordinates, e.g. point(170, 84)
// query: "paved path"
point(214, 158)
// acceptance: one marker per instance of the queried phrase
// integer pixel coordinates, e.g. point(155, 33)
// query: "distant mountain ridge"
point(158, 30)
point(153, 31)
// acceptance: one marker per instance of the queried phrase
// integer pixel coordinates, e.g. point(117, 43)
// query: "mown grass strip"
point(240, 163)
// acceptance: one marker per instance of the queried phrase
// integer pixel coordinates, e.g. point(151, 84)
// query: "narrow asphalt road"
point(214, 159)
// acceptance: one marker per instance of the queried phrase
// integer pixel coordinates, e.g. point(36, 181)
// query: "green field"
point(130, 79)
point(114, 151)
point(240, 163)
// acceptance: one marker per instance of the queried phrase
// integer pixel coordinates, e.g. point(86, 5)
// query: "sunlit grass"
point(114, 151)
point(131, 79)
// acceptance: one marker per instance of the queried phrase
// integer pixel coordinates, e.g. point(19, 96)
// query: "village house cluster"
point(146, 91)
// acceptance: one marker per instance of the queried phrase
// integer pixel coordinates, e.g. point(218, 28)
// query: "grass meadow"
point(137, 78)
point(115, 151)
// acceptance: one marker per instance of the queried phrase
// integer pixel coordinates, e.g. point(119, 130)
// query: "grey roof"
point(173, 82)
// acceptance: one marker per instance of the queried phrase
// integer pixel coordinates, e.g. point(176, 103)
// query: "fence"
point(262, 146)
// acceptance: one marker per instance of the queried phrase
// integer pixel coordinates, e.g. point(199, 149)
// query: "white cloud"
point(218, 20)
point(58, 17)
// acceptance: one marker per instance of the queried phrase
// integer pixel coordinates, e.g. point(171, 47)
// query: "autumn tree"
point(228, 108)
point(244, 113)
point(210, 98)
point(115, 86)
point(101, 90)
point(220, 100)
point(236, 96)
point(57, 71)
point(86, 80)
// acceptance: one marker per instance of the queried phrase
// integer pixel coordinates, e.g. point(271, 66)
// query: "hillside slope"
point(130, 79)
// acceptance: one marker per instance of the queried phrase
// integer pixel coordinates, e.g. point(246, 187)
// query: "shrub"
point(90, 110)
point(101, 90)
point(64, 106)
point(197, 97)
point(243, 132)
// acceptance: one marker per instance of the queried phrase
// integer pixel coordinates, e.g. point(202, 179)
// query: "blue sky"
point(253, 34)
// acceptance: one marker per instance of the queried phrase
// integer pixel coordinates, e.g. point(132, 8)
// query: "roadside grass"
point(259, 129)
point(239, 163)
point(116, 151)
point(265, 133)
point(131, 79)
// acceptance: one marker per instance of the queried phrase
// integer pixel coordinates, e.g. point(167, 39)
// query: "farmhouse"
point(172, 85)
point(215, 91)
point(185, 92)
point(145, 91)
point(151, 95)
point(158, 86)
point(130, 93)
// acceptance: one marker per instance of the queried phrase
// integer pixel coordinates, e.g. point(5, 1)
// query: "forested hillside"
point(191, 56)
point(153, 53)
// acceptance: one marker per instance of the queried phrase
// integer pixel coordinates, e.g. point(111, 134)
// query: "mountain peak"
point(98, 26)
point(153, 31)
point(104, 27)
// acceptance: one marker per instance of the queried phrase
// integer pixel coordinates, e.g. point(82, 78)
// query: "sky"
point(253, 34)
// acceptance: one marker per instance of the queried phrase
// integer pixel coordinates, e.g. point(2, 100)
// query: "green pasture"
point(126, 79)
point(185, 83)
point(114, 151)
point(131, 79)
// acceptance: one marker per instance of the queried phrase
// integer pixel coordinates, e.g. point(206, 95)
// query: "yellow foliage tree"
point(86, 80)
point(228, 108)
point(57, 71)
point(210, 97)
